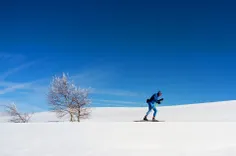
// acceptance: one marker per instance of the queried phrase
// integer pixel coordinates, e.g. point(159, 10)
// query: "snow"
point(190, 130)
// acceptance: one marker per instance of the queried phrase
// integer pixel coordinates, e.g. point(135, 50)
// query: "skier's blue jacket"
point(154, 98)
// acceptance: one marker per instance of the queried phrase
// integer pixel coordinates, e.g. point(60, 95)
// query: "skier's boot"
point(145, 118)
point(153, 119)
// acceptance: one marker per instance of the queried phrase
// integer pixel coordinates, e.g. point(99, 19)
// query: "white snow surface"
point(206, 129)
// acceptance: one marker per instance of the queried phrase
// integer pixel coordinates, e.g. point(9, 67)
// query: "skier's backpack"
point(151, 99)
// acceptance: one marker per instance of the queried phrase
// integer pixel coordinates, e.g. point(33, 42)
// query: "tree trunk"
point(71, 117)
point(78, 116)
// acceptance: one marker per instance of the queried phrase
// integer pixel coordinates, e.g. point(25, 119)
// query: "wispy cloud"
point(11, 87)
point(7, 84)
point(32, 90)
point(92, 78)
point(11, 58)
point(99, 78)
point(14, 70)
point(95, 77)
point(117, 92)
point(14, 87)
point(115, 103)
point(22, 106)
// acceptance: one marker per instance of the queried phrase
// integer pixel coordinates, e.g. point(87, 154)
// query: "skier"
point(151, 105)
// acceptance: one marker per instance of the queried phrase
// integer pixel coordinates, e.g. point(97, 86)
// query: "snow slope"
point(112, 132)
point(205, 112)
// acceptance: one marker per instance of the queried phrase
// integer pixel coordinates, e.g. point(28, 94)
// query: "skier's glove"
point(159, 101)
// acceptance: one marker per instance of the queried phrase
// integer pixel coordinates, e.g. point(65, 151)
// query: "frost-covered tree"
point(65, 98)
point(17, 117)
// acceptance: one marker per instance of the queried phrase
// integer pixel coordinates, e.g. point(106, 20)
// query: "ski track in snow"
point(190, 130)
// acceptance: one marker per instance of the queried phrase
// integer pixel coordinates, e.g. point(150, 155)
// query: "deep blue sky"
point(125, 50)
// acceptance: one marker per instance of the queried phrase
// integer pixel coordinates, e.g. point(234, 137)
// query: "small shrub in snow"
point(17, 117)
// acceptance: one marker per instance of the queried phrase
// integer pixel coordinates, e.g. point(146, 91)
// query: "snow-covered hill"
point(112, 132)
point(205, 112)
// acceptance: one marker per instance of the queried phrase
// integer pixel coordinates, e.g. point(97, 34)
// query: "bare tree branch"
point(17, 117)
point(65, 98)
